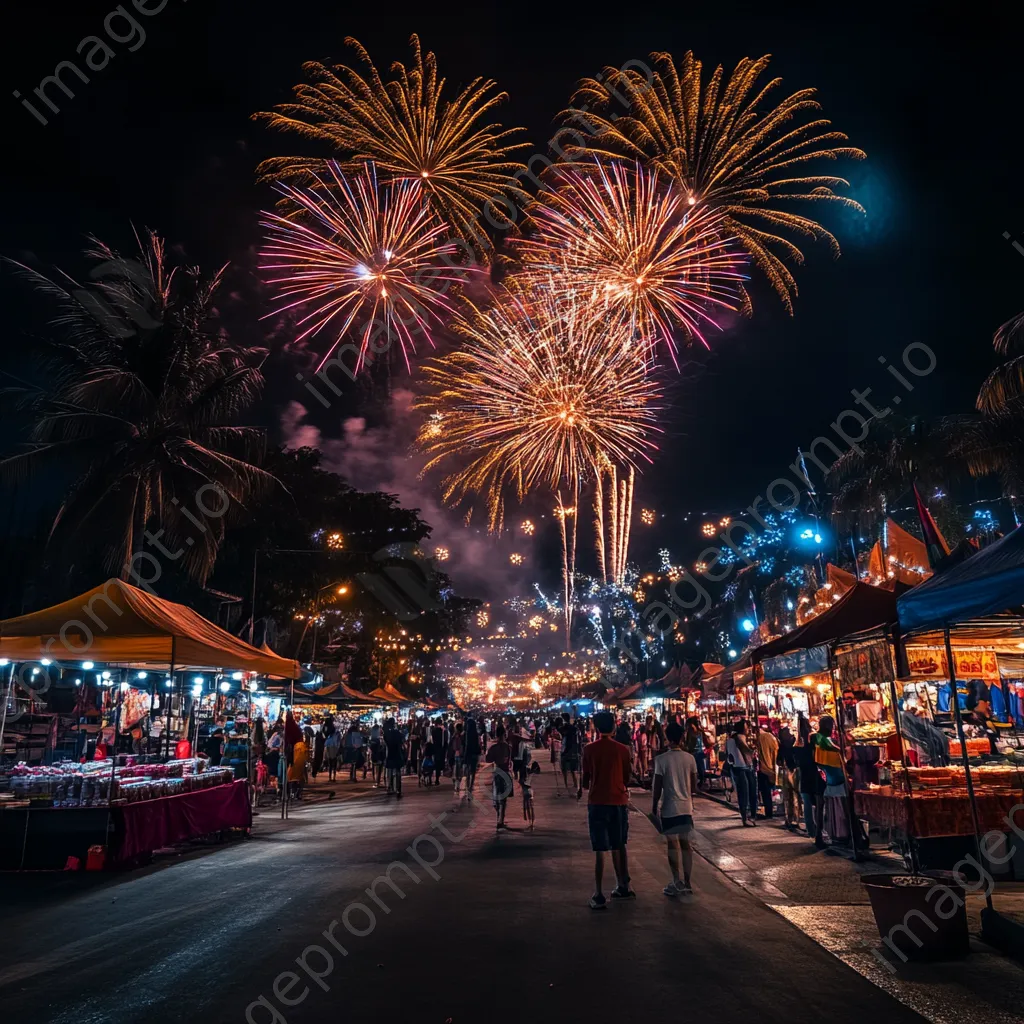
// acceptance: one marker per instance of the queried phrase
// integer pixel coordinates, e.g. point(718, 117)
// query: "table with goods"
point(52, 815)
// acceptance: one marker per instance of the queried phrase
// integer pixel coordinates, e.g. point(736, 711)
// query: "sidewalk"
point(820, 893)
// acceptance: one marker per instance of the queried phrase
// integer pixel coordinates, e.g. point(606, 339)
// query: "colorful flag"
point(933, 539)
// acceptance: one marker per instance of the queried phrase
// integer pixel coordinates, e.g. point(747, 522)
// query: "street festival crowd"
point(602, 755)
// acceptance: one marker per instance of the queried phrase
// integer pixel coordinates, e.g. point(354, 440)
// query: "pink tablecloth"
point(151, 824)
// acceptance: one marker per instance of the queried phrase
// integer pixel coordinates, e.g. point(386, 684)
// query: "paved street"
point(502, 933)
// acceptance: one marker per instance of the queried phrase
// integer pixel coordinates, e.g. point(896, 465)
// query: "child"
point(427, 763)
point(332, 750)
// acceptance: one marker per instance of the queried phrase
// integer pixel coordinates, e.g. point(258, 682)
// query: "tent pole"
point(7, 700)
point(958, 718)
point(113, 767)
point(915, 866)
point(170, 694)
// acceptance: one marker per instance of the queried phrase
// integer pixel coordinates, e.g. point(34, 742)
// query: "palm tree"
point(994, 442)
point(867, 480)
point(138, 411)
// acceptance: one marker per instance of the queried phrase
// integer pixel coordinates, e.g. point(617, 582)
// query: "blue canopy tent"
point(986, 583)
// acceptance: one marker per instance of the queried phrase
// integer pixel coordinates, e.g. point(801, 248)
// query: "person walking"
point(471, 754)
point(788, 778)
point(415, 733)
point(394, 757)
point(376, 754)
point(570, 756)
point(809, 781)
point(693, 744)
point(767, 760)
point(675, 779)
point(607, 773)
point(354, 749)
point(437, 751)
point(555, 744)
point(458, 753)
point(332, 751)
point(319, 739)
point(500, 755)
point(741, 761)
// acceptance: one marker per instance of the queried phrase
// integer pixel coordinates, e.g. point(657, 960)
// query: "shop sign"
point(931, 663)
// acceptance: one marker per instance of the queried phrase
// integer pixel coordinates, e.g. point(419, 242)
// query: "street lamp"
point(342, 590)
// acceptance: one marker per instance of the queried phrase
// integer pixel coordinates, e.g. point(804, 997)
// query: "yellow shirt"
point(767, 751)
point(297, 769)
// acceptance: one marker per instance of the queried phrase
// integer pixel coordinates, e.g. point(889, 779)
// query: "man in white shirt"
point(675, 781)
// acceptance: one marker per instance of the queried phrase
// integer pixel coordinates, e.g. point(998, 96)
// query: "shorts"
point(680, 825)
point(501, 788)
point(377, 753)
point(609, 826)
point(570, 763)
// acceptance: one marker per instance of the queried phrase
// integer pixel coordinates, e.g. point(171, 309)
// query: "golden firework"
point(536, 621)
point(539, 396)
point(409, 130)
point(647, 516)
point(728, 147)
point(335, 541)
point(708, 529)
point(527, 527)
point(631, 244)
point(442, 554)
point(483, 617)
point(515, 558)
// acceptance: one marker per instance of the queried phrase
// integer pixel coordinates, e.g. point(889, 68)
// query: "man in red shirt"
point(607, 772)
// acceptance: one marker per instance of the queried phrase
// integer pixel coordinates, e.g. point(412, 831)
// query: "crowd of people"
point(808, 771)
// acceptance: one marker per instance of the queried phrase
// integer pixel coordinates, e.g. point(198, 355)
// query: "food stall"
point(132, 803)
point(962, 773)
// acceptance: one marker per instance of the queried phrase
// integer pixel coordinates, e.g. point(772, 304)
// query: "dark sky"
point(161, 137)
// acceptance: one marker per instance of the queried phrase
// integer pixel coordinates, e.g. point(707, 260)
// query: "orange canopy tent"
point(118, 623)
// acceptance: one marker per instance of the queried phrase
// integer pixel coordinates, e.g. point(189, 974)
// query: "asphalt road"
point(487, 927)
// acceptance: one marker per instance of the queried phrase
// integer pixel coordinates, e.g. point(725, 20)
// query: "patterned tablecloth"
point(927, 816)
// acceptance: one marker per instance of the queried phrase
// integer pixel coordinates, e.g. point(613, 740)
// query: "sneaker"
point(598, 902)
point(618, 893)
point(671, 889)
point(684, 889)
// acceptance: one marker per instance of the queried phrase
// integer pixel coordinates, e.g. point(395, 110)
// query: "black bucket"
point(920, 921)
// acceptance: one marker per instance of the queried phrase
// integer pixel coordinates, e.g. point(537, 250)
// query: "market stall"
point(57, 814)
point(142, 658)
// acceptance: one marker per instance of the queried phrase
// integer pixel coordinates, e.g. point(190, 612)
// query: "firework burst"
point(407, 129)
point(727, 146)
point(540, 395)
point(361, 254)
point(638, 249)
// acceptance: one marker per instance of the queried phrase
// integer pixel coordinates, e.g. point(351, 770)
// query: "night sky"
point(162, 138)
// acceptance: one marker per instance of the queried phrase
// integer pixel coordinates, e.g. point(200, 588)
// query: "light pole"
point(342, 590)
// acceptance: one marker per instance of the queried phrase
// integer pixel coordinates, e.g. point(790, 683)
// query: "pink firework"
point(362, 256)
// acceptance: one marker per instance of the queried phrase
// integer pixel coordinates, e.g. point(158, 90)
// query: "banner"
point(931, 663)
point(870, 664)
point(807, 662)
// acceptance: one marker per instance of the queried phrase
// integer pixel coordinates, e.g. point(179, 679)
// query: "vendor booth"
point(136, 659)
